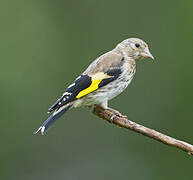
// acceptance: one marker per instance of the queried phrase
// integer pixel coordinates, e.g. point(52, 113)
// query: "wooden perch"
point(116, 118)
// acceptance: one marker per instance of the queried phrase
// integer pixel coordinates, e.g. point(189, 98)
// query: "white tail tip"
point(41, 128)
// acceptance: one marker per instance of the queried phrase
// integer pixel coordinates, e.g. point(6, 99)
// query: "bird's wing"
point(102, 71)
point(104, 63)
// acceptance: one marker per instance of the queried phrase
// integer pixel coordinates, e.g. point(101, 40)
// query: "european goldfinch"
point(105, 78)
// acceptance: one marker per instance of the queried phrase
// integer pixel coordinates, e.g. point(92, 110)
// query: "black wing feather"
point(114, 73)
point(83, 82)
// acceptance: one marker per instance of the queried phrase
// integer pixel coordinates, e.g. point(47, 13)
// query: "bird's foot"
point(116, 113)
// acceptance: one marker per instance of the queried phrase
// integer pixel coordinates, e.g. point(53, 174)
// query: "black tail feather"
point(54, 105)
point(48, 123)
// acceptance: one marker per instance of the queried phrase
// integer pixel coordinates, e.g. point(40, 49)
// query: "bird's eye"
point(137, 45)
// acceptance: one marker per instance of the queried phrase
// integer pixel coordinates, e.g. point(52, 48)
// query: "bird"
point(105, 78)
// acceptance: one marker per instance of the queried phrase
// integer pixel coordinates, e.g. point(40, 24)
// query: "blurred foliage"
point(46, 44)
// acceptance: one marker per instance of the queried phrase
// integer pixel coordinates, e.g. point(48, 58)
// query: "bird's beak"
point(146, 53)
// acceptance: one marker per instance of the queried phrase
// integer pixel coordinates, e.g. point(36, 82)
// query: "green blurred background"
point(46, 44)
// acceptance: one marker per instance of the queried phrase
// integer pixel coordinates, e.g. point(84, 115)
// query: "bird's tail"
point(46, 125)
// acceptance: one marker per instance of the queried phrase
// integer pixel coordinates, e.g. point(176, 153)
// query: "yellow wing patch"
point(91, 88)
point(96, 79)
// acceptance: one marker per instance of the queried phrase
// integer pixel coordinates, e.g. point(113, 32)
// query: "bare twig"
point(116, 118)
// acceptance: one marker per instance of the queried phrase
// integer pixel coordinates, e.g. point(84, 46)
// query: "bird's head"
point(134, 48)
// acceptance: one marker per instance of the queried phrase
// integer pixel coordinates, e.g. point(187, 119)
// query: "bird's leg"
point(104, 105)
point(115, 112)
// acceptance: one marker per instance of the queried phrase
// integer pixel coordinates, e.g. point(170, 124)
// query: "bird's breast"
point(129, 66)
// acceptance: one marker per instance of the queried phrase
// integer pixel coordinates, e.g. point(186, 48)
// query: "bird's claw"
point(116, 113)
point(112, 118)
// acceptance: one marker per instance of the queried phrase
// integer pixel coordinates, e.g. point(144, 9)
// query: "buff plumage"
point(105, 78)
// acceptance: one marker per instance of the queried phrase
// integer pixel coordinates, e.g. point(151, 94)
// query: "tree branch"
point(116, 118)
